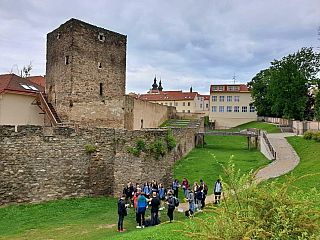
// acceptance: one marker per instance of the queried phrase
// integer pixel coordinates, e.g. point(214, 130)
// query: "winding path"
point(287, 160)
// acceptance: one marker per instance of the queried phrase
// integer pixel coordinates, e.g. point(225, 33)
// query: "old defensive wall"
point(35, 167)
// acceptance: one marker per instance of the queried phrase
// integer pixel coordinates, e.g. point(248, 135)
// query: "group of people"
point(156, 195)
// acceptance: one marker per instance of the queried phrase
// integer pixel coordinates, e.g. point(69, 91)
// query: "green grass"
point(169, 123)
point(309, 153)
point(199, 163)
point(258, 125)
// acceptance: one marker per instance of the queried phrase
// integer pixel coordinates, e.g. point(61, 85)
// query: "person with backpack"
point(175, 187)
point(190, 199)
point(171, 205)
point(155, 202)
point(204, 188)
point(141, 209)
point(122, 212)
point(217, 191)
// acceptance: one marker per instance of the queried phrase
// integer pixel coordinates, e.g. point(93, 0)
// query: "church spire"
point(160, 87)
point(155, 85)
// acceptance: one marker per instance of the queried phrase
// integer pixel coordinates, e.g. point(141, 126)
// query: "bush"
point(251, 211)
point(308, 135)
point(159, 149)
point(140, 144)
point(171, 142)
point(316, 136)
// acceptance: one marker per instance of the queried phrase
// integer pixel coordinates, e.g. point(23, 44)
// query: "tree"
point(282, 90)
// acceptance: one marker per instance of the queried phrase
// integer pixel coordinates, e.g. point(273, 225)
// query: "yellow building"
point(184, 102)
point(16, 96)
point(229, 105)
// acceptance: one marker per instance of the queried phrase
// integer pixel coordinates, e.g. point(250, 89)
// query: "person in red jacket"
point(185, 186)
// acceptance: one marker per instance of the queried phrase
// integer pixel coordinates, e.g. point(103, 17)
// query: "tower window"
point(59, 36)
point(67, 60)
point(101, 37)
point(99, 65)
point(100, 88)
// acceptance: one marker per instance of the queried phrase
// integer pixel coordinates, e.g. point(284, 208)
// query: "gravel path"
point(287, 160)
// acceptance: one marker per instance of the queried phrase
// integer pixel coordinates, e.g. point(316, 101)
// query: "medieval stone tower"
point(86, 74)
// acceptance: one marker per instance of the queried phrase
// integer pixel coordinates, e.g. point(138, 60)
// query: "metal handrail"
point(273, 152)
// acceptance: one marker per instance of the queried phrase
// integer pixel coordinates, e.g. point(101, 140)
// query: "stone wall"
point(36, 168)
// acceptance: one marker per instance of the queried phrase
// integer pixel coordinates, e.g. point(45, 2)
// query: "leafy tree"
point(282, 90)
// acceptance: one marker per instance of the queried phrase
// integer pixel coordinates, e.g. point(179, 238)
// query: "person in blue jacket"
point(141, 209)
point(175, 187)
point(146, 189)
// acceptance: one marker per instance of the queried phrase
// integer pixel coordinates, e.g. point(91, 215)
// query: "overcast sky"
point(185, 43)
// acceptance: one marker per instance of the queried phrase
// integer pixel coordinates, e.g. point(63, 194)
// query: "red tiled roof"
point(206, 97)
point(169, 95)
point(242, 88)
point(40, 80)
point(11, 83)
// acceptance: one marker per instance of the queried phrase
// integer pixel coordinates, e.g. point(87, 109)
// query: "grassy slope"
point(309, 153)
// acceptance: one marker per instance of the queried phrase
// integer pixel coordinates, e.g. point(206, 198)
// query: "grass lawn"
point(309, 153)
point(258, 125)
point(199, 163)
point(170, 122)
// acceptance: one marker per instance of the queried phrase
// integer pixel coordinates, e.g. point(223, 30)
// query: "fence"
point(273, 152)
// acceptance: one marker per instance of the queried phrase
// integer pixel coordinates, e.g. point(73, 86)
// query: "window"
point(28, 87)
point(188, 111)
point(183, 111)
point(220, 88)
point(170, 104)
point(221, 99)
point(236, 98)
point(183, 104)
point(161, 103)
point(67, 60)
point(166, 104)
point(198, 98)
point(189, 104)
point(101, 37)
point(236, 109)
point(215, 88)
point(59, 36)
point(100, 88)
point(176, 104)
point(214, 98)
point(229, 109)
point(200, 105)
point(207, 105)
point(221, 109)
point(230, 88)
point(99, 65)
point(229, 98)
point(236, 88)
point(244, 109)
point(252, 109)
point(214, 109)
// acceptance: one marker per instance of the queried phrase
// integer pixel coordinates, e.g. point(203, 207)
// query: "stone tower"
point(86, 74)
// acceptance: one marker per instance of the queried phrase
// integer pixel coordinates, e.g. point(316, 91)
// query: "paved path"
point(287, 160)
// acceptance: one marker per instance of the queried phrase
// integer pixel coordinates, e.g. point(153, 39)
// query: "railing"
point(51, 116)
point(273, 152)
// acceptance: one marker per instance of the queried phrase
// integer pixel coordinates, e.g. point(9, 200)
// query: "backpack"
point(188, 213)
point(176, 202)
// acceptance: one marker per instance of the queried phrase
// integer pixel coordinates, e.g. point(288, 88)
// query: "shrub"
point(316, 136)
point(308, 135)
point(159, 149)
point(91, 149)
point(140, 144)
point(133, 151)
point(171, 142)
point(251, 211)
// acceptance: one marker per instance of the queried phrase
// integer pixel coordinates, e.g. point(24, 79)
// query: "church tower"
point(86, 74)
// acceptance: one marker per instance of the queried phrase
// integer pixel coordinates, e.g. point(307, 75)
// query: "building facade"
point(229, 105)
point(16, 97)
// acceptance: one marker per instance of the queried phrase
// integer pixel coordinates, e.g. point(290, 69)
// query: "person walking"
point(175, 187)
point(217, 191)
point(190, 199)
point(171, 206)
point(122, 212)
point(141, 209)
point(185, 186)
point(155, 202)
point(195, 189)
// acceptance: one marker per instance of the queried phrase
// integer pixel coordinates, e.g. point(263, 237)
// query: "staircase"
point(54, 113)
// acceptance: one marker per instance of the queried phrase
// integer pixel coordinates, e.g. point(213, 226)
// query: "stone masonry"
point(35, 168)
